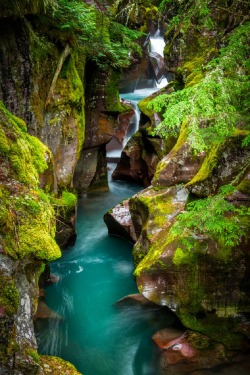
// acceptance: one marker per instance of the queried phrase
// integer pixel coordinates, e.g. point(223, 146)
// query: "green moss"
point(27, 221)
point(159, 208)
point(244, 186)
point(11, 120)
point(180, 142)
point(138, 254)
point(57, 366)
point(143, 106)
point(207, 166)
point(25, 152)
point(39, 153)
point(34, 355)
point(113, 103)
point(69, 199)
point(194, 78)
point(9, 296)
point(218, 329)
point(37, 240)
point(4, 144)
point(198, 341)
point(69, 83)
point(182, 257)
point(192, 65)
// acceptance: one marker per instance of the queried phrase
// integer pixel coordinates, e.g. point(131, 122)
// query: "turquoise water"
point(96, 336)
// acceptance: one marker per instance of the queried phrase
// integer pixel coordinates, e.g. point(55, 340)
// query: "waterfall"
point(157, 45)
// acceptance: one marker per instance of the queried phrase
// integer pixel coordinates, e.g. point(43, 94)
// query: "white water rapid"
point(157, 43)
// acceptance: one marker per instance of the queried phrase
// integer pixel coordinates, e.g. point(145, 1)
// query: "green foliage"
point(210, 218)
point(218, 104)
point(135, 13)
point(107, 41)
point(21, 7)
point(66, 199)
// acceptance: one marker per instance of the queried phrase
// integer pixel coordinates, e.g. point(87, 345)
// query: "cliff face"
point(191, 226)
point(26, 241)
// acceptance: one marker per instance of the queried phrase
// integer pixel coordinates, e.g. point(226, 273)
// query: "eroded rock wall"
point(191, 226)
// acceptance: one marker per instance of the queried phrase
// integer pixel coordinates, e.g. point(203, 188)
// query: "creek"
point(93, 333)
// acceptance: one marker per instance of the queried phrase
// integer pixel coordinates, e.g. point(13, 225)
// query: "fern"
point(215, 106)
point(107, 41)
point(212, 218)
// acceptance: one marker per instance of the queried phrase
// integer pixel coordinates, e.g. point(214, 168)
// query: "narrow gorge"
point(124, 187)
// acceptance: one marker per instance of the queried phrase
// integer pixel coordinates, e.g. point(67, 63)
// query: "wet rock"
point(44, 311)
point(124, 121)
point(138, 161)
point(158, 66)
point(134, 300)
point(223, 165)
point(119, 223)
point(179, 165)
point(153, 211)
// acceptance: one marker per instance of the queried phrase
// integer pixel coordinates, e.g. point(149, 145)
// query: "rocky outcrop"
point(140, 157)
point(57, 366)
point(103, 107)
point(27, 241)
point(158, 66)
point(119, 223)
point(189, 276)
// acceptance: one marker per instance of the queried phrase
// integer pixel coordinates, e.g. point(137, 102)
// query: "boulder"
point(158, 66)
point(119, 223)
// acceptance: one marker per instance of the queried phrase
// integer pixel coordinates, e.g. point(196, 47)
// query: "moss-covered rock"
point(224, 163)
point(57, 366)
point(27, 231)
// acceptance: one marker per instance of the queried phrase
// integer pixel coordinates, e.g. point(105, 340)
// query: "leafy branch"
point(212, 218)
point(216, 105)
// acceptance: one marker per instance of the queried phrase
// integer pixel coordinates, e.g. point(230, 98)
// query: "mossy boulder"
point(190, 282)
point(119, 223)
point(57, 366)
point(180, 164)
point(225, 163)
point(151, 211)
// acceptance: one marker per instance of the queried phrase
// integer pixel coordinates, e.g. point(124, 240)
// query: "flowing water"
point(94, 334)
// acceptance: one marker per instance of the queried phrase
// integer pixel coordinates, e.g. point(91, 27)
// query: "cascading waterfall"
point(157, 45)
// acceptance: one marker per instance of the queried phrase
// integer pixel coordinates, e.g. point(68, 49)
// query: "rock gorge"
point(61, 66)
